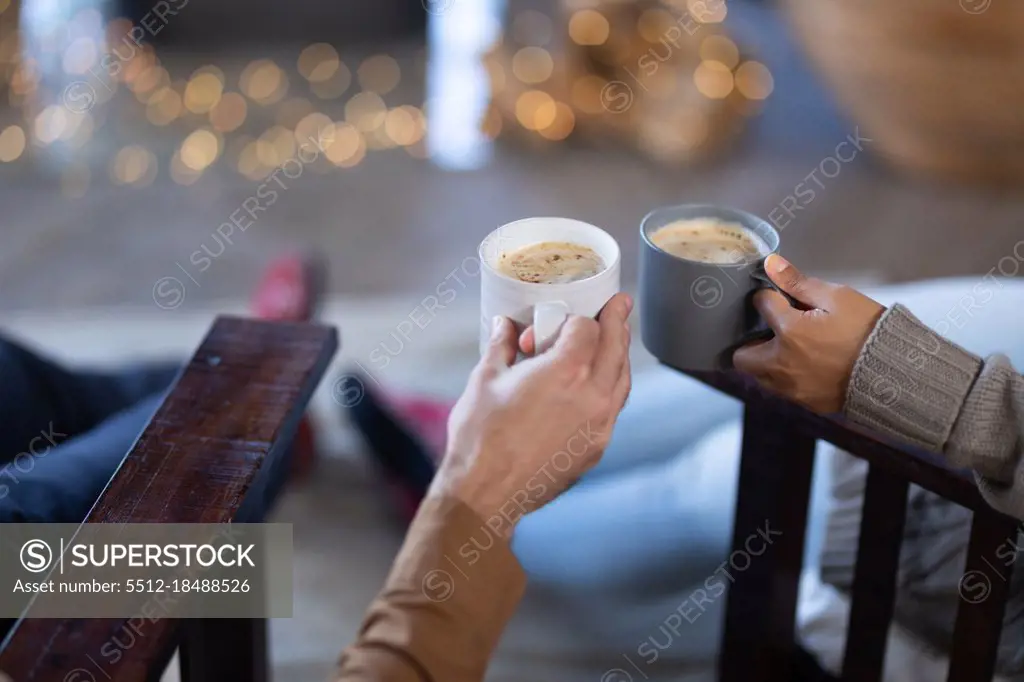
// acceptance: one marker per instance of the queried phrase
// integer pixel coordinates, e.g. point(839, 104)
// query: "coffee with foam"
point(551, 263)
point(708, 240)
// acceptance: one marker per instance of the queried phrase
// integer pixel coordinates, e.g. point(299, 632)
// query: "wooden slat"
point(204, 458)
point(873, 595)
point(774, 489)
point(983, 591)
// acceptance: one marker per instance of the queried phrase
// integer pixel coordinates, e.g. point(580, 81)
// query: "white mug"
point(545, 306)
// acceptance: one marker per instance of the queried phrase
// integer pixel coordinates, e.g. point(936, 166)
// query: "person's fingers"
point(576, 342)
point(775, 309)
point(501, 351)
point(613, 347)
point(527, 341)
point(768, 383)
point(619, 396)
point(755, 358)
point(623, 385)
point(810, 291)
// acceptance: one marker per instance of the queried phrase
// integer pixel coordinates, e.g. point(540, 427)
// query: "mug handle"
point(764, 282)
point(548, 318)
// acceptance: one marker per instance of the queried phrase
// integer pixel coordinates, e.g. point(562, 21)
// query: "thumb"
point(811, 291)
point(501, 351)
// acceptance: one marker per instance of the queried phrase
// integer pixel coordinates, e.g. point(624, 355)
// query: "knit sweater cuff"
point(909, 382)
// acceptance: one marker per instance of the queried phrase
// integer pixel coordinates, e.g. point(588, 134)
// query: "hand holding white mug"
point(522, 433)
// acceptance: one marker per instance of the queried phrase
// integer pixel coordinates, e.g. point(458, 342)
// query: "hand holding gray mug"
point(699, 268)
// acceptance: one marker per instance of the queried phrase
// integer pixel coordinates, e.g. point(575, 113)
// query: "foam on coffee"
point(550, 263)
point(708, 240)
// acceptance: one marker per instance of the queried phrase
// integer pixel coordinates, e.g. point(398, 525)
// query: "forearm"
point(911, 383)
point(454, 586)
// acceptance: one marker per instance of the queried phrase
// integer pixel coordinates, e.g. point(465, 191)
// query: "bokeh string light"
point(720, 48)
point(348, 148)
point(661, 76)
point(182, 174)
point(200, 149)
point(133, 165)
point(654, 24)
point(263, 82)
point(12, 143)
point(275, 146)
point(217, 125)
point(366, 111)
point(314, 127)
point(754, 80)
point(536, 110)
point(229, 113)
point(586, 94)
point(164, 106)
point(713, 79)
point(589, 27)
point(562, 124)
point(334, 86)
point(405, 125)
point(319, 63)
point(204, 90)
point(533, 65)
point(380, 74)
point(50, 124)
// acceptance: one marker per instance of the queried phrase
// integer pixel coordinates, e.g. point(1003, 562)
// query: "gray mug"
point(693, 315)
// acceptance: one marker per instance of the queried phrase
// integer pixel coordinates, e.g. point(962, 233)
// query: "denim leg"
point(665, 412)
point(62, 484)
point(42, 403)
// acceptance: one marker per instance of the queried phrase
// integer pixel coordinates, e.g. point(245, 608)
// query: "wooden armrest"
point(205, 457)
point(914, 464)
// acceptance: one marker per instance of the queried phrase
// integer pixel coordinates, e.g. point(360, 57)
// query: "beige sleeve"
point(913, 384)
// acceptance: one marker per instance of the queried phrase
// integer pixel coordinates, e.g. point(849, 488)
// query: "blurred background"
point(154, 156)
point(130, 131)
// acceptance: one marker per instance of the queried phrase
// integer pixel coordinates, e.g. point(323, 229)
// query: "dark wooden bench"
point(759, 641)
point(209, 455)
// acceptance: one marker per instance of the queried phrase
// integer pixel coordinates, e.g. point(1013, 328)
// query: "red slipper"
point(291, 291)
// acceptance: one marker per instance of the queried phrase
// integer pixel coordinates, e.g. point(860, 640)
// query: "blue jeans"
point(645, 530)
point(66, 432)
